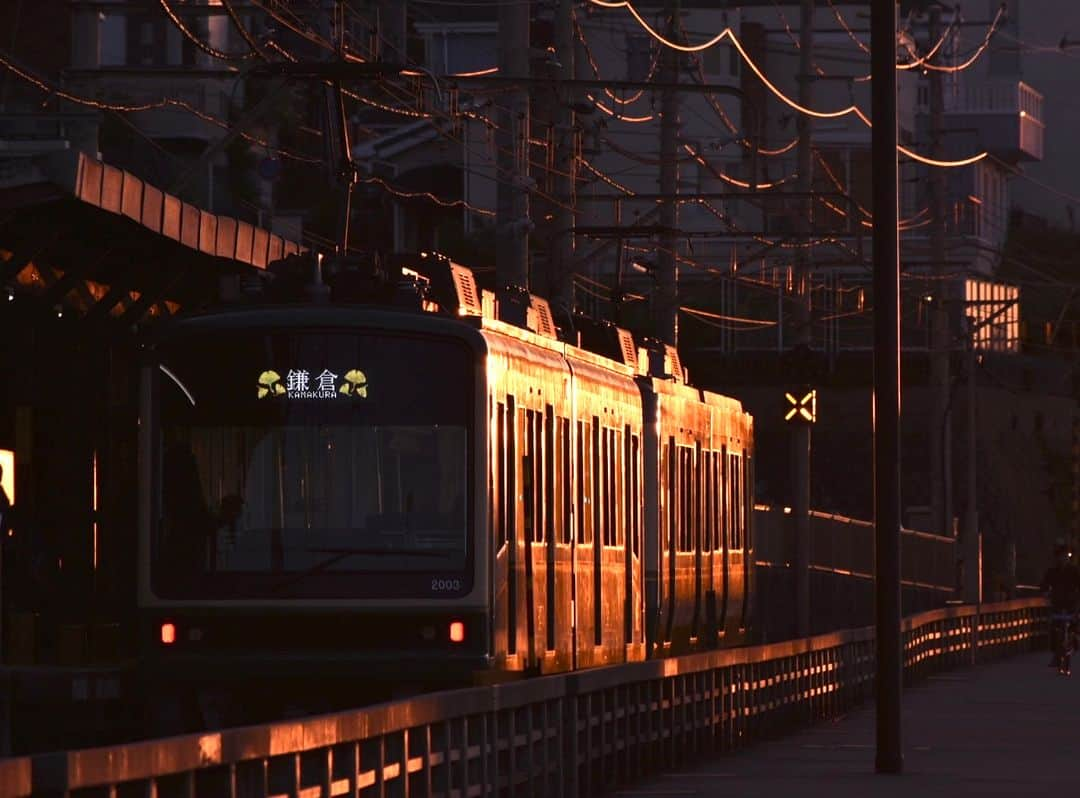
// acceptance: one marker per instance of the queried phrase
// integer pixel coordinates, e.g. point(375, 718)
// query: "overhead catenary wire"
point(166, 102)
point(730, 35)
point(206, 48)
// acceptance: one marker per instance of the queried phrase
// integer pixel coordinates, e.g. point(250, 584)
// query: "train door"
point(563, 548)
point(695, 521)
point(708, 531)
point(652, 525)
point(584, 544)
point(599, 463)
point(724, 495)
point(668, 490)
point(547, 510)
point(497, 525)
point(631, 543)
point(717, 547)
point(736, 566)
point(533, 534)
point(748, 537)
point(506, 558)
point(614, 562)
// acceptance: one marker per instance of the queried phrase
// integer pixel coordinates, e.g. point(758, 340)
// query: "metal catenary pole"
point(512, 139)
point(941, 437)
point(666, 299)
point(889, 758)
point(800, 432)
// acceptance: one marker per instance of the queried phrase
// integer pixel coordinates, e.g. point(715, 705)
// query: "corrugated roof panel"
point(152, 202)
point(189, 226)
point(170, 218)
point(112, 189)
point(208, 234)
point(90, 182)
point(226, 237)
point(131, 203)
point(276, 248)
point(260, 242)
point(244, 241)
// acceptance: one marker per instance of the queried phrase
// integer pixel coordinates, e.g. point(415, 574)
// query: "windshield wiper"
point(337, 555)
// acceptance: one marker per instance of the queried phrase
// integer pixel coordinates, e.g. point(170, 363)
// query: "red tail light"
point(457, 632)
point(168, 633)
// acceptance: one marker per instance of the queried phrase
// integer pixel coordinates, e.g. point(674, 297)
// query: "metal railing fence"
point(572, 735)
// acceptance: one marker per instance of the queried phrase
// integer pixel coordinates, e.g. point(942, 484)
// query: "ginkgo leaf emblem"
point(355, 384)
point(270, 383)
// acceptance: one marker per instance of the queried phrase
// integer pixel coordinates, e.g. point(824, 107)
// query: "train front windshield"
point(312, 465)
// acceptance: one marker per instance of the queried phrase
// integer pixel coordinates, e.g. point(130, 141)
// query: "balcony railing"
point(1019, 134)
point(997, 97)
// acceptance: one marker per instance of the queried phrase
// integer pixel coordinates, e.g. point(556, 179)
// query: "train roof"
point(456, 307)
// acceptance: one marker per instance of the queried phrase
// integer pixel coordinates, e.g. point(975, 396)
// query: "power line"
point(206, 48)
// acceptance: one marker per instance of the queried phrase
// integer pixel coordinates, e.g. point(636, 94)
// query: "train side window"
point(688, 500)
point(493, 523)
point(549, 474)
point(585, 481)
point(604, 524)
point(706, 499)
point(725, 500)
point(677, 492)
point(699, 498)
point(525, 426)
point(618, 499)
point(597, 495)
point(565, 515)
point(611, 505)
point(499, 467)
point(509, 467)
point(718, 502)
point(627, 487)
point(536, 447)
point(579, 472)
point(634, 500)
point(736, 503)
point(671, 538)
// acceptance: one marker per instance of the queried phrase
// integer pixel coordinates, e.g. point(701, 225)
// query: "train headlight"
point(168, 633)
point(457, 632)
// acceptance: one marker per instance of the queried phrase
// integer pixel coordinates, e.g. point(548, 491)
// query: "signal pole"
point(889, 644)
point(941, 428)
point(800, 433)
point(666, 296)
point(512, 159)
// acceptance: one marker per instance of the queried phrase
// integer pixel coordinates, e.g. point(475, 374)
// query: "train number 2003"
point(445, 585)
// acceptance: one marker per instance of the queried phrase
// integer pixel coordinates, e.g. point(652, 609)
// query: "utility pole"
point(886, 415)
point(561, 281)
point(800, 433)
point(940, 435)
point(512, 221)
point(391, 29)
point(971, 542)
point(336, 148)
point(666, 295)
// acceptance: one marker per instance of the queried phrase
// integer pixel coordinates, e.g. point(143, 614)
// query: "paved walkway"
point(1010, 728)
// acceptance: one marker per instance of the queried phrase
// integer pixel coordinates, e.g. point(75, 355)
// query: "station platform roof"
point(89, 238)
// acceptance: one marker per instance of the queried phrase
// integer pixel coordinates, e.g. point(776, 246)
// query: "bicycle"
point(1065, 640)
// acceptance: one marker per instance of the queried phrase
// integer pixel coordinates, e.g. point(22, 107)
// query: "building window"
point(451, 51)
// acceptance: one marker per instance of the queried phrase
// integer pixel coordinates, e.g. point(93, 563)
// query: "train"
point(344, 494)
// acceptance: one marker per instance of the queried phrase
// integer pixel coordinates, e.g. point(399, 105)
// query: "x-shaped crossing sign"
point(801, 406)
